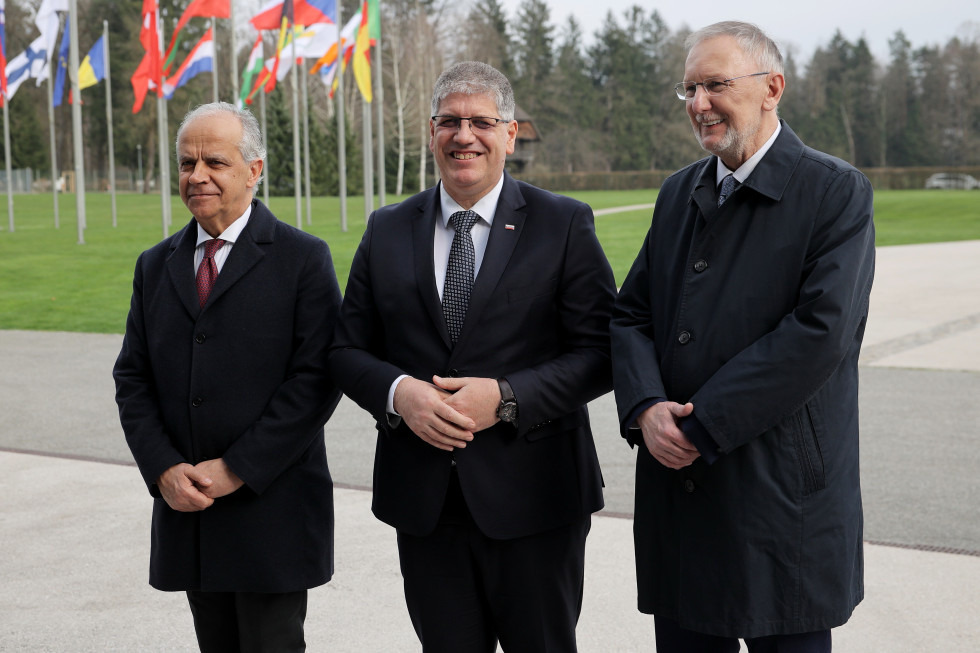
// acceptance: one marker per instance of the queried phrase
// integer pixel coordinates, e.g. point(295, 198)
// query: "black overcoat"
point(754, 312)
point(245, 378)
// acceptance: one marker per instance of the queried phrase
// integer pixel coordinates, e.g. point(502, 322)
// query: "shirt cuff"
point(390, 406)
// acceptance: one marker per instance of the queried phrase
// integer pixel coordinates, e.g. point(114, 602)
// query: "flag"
point(362, 56)
point(200, 60)
point(306, 12)
point(92, 69)
point(3, 51)
point(148, 74)
point(374, 20)
point(59, 80)
point(252, 70)
point(285, 35)
point(25, 65)
point(197, 8)
point(47, 23)
point(326, 65)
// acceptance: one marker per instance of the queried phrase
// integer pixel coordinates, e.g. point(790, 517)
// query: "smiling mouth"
point(464, 156)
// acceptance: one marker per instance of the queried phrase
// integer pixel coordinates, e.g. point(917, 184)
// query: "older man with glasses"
point(736, 338)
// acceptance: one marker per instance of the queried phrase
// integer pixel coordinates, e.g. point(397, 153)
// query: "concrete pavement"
point(74, 515)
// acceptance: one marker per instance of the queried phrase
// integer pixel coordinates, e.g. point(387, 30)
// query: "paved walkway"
point(74, 515)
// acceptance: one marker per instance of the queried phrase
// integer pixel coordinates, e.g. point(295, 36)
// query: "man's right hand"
point(179, 487)
point(425, 411)
point(663, 438)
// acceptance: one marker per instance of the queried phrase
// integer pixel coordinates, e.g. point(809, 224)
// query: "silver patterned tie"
point(459, 272)
point(728, 185)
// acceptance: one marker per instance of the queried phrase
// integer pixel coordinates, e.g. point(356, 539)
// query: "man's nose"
point(701, 101)
point(199, 174)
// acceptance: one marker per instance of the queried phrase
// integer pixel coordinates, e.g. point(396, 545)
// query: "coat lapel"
point(247, 250)
point(500, 247)
point(423, 234)
point(180, 264)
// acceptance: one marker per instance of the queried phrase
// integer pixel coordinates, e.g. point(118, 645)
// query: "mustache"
point(702, 118)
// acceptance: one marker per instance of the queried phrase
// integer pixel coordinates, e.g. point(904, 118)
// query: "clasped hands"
point(447, 412)
point(191, 488)
point(663, 437)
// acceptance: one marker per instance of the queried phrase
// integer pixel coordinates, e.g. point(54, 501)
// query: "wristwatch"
point(507, 410)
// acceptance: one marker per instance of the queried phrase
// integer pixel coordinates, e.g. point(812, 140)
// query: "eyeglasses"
point(687, 90)
point(477, 123)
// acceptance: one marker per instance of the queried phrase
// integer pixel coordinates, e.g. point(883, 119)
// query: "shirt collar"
point(229, 235)
point(485, 207)
point(746, 168)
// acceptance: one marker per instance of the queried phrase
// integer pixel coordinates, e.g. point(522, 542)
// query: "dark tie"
point(728, 185)
point(459, 272)
point(207, 271)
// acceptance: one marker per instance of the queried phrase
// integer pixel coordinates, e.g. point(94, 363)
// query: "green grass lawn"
point(50, 282)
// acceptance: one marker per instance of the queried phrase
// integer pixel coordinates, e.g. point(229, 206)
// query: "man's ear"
point(774, 91)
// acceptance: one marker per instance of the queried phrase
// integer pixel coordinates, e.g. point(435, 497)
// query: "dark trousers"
point(465, 591)
point(249, 622)
point(671, 638)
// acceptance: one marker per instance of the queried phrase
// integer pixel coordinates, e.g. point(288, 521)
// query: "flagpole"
point(379, 97)
point(234, 51)
point(214, 57)
point(306, 141)
point(297, 173)
point(368, 166)
point(265, 146)
point(76, 118)
point(6, 151)
point(341, 136)
point(163, 138)
point(108, 118)
point(54, 146)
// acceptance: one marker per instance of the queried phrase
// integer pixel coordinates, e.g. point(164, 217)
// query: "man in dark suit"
point(735, 341)
point(475, 329)
point(223, 390)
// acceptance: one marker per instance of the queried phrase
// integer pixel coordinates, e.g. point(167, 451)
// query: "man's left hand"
point(220, 481)
point(475, 397)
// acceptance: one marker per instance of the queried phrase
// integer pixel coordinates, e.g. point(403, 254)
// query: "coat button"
point(197, 401)
point(684, 337)
point(689, 486)
point(453, 373)
point(700, 265)
point(200, 338)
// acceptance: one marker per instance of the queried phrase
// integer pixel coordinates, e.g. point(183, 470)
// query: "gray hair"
point(752, 41)
point(250, 146)
point(475, 78)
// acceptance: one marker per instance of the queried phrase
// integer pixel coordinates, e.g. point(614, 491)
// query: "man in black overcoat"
point(485, 462)
point(223, 390)
point(735, 351)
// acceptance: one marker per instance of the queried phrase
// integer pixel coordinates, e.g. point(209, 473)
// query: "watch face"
point(507, 412)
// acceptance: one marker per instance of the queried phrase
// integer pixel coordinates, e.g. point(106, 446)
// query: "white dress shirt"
point(229, 235)
point(442, 242)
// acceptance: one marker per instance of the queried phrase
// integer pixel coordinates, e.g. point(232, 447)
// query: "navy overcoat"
point(245, 378)
point(753, 311)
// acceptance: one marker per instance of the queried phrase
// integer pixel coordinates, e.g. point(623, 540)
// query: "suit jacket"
point(245, 378)
point(538, 315)
point(753, 311)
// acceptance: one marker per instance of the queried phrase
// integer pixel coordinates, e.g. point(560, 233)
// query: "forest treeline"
point(602, 102)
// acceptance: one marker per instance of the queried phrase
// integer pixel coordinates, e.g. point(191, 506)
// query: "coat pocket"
point(809, 453)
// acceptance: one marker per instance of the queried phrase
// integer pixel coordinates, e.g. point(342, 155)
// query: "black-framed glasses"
point(477, 123)
point(687, 90)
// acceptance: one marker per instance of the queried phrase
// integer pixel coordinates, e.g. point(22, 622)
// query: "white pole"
point(108, 118)
point(368, 159)
point(51, 135)
point(297, 172)
point(76, 119)
point(6, 151)
point(163, 138)
point(214, 59)
point(265, 146)
point(234, 53)
point(306, 141)
point(341, 136)
point(379, 101)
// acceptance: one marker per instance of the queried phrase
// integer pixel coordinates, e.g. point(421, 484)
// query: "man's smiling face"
point(470, 162)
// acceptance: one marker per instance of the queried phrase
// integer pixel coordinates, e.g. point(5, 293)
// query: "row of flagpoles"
point(305, 29)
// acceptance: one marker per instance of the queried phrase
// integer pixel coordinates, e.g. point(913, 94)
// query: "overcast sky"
point(925, 22)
